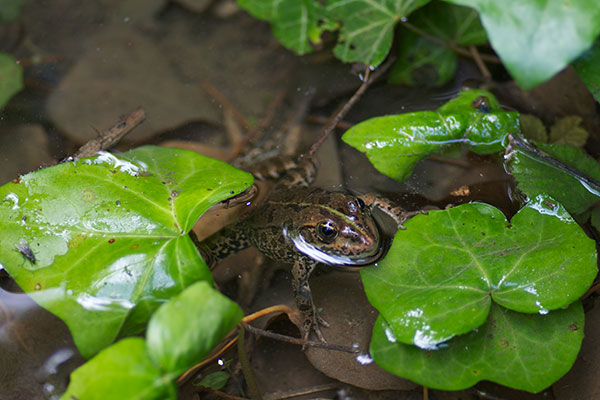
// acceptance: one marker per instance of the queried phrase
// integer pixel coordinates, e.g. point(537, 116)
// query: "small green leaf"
point(534, 176)
point(108, 235)
point(424, 61)
point(532, 128)
point(568, 130)
point(443, 272)
point(11, 78)
point(184, 330)
point(395, 143)
point(10, 9)
point(588, 69)
point(295, 23)
point(214, 381)
point(123, 371)
point(537, 38)
point(368, 27)
point(522, 351)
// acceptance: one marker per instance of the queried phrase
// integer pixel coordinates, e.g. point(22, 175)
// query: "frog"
point(306, 226)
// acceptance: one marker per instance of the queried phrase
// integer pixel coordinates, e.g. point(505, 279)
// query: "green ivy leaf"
point(107, 235)
point(11, 78)
point(424, 61)
point(367, 27)
point(443, 272)
point(523, 351)
point(537, 38)
point(187, 328)
point(122, 371)
point(587, 67)
point(568, 130)
point(534, 176)
point(295, 23)
point(180, 334)
point(395, 143)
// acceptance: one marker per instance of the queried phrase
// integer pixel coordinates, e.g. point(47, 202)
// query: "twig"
point(298, 341)
point(108, 138)
point(480, 64)
point(304, 392)
point(316, 119)
point(459, 50)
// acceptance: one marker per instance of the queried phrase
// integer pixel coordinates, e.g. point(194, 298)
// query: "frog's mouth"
point(344, 262)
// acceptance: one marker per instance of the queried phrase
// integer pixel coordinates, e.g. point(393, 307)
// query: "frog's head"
point(336, 228)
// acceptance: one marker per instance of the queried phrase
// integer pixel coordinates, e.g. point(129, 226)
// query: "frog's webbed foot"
point(313, 323)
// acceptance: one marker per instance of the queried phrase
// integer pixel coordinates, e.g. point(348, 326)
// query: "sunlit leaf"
point(522, 351)
point(443, 272)
point(108, 235)
point(122, 371)
point(188, 327)
point(395, 143)
point(534, 176)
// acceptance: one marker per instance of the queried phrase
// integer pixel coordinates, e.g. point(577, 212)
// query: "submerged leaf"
point(533, 128)
point(109, 235)
point(443, 272)
point(568, 130)
point(395, 143)
point(11, 77)
point(522, 351)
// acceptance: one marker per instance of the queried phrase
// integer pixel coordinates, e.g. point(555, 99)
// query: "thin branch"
point(480, 64)
point(298, 341)
point(110, 137)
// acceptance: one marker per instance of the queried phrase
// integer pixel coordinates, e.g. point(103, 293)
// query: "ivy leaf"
point(121, 371)
point(588, 70)
point(421, 60)
point(395, 143)
point(180, 334)
point(522, 351)
point(11, 78)
point(534, 176)
point(443, 272)
point(102, 241)
point(295, 23)
point(367, 27)
point(537, 38)
point(188, 327)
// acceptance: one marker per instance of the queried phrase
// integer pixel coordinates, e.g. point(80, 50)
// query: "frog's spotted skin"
point(304, 226)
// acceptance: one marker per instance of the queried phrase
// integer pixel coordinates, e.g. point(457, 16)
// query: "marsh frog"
point(304, 226)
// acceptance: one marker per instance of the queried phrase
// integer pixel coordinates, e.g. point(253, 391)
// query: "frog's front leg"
point(303, 297)
point(397, 213)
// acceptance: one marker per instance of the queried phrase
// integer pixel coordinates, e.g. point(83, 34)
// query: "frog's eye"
point(327, 231)
point(361, 203)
